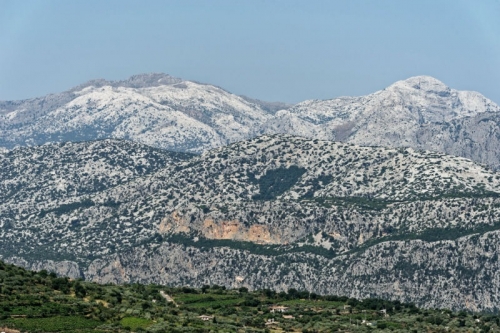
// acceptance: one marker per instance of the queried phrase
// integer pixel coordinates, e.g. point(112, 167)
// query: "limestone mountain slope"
point(281, 211)
point(154, 109)
point(420, 112)
point(180, 115)
point(60, 171)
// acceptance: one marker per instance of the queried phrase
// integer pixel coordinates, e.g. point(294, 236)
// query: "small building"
point(270, 322)
point(278, 308)
point(206, 318)
point(288, 317)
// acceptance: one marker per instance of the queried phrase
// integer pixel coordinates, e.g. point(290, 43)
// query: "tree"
point(292, 292)
point(80, 290)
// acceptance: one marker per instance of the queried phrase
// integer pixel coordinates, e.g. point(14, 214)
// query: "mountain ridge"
point(280, 210)
point(174, 114)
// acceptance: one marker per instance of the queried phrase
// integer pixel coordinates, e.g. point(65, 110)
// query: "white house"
point(278, 308)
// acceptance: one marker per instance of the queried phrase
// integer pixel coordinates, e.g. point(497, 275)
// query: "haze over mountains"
point(269, 200)
point(179, 115)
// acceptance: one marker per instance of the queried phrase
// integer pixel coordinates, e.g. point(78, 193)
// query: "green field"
point(53, 324)
point(134, 323)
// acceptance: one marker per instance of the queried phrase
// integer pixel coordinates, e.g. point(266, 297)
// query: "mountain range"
point(274, 212)
point(160, 180)
point(179, 115)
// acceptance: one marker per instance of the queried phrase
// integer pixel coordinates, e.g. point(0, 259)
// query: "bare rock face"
point(277, 211)
point(174, 114)
point(476, 137)
point(234, 230)
point(455, 274)
point(211, 228)
point(64, 268)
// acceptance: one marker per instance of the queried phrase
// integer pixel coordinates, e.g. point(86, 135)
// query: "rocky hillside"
point(175, 114)
point(59, 172)
point(276, 211)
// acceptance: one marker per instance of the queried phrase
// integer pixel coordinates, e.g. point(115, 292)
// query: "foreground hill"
point(42, 302)
point(274, 212)
point(175, 114)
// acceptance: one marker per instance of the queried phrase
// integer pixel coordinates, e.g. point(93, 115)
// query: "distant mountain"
point(175, 114)
point(276, 211)
point(420, 112)
point(153, 109)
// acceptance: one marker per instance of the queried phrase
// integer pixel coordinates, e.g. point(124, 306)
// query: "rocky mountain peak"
point(423, 83)
point(150, 80)
point(167, 112)
point(135, 81)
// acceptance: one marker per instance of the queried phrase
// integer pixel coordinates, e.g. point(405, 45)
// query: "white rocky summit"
point(175, 114)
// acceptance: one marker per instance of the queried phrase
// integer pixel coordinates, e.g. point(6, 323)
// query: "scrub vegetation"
point(43, 302)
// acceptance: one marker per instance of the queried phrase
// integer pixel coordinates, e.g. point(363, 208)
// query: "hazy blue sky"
point(272, 50)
